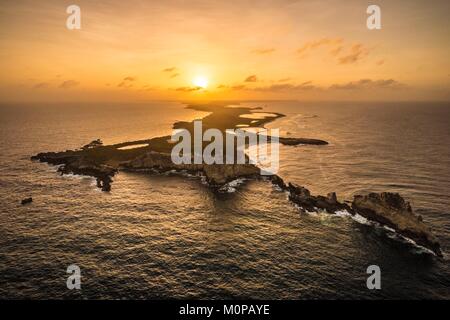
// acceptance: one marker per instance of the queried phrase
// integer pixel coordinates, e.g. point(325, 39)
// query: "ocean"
point(169, 236)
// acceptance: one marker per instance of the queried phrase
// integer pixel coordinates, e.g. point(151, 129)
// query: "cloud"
point(68, 84)
point(357, 52)
point(325, 42)
point(147, 87)
point(285, 80)
point(362, 84)
point(188, 89)
point(173, 71)
point(41, 85)
point(380, 62)
point(368, 84)
point(251, 78)
point(335, 51)
point(263, 51)
point(337, 48)
point(288, 87)
point(126, 83)
point(273, 88)
point(232, 87)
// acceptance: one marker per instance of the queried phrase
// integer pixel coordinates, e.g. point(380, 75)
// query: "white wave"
point(227, 189)
point(392, 234)
point(342, 213)
point(76, 176)
point(360, 219)
point(231, 186)
point(277, 188)
point(236, 183)
point(388, 228)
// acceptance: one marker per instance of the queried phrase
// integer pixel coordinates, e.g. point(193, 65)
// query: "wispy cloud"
point(68, 84)
point(147, 87)
point(272, 88)
point(356, 53)
point(251, 78)
point(238, 87)
point(336, 47)
point(264, 51)
point(362, 84)
point(127, 82)
point(188, 89)
point(325, 42)
point(124, 84)
point(171, 69)
point(368, 84)
point(288, 87)
point(41, 85)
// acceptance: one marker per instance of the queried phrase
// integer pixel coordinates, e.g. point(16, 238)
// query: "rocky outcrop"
point(276, 180)
point(73, 162)
point(295, 141)
point(83, 163)
point(392, 210)
point(302, 197)
point(102, 173)
point(216, 174)
point(388, 209)
point(298, 141)
point(92, 144)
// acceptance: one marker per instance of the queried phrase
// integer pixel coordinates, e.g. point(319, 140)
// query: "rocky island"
point(392, 210)
point(387, 209)
point(103, 162)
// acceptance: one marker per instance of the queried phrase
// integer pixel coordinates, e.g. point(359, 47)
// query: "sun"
point(200, 81)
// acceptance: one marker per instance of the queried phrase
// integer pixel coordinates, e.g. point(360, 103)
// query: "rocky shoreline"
point(216, 174)
point(103, 162)
point(387, 209)
point(70, 162)
point(391, 210)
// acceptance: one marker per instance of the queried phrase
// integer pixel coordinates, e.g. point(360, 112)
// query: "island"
point(154, 155)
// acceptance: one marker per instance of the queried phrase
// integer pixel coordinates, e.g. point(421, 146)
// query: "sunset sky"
point(172, 49)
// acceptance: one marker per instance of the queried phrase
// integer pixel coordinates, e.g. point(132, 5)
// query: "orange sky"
point(283, 49)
